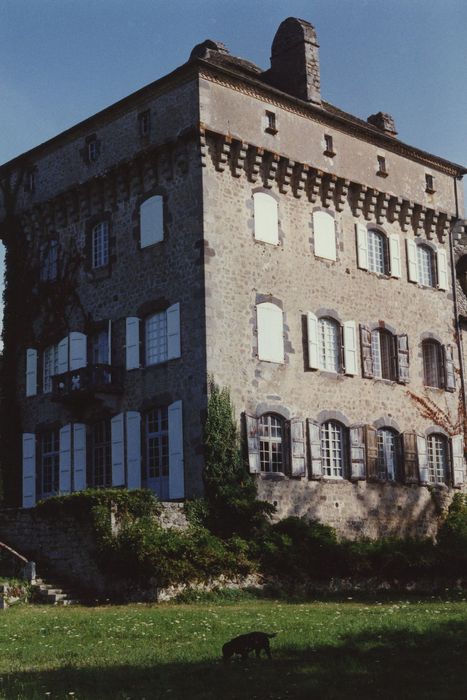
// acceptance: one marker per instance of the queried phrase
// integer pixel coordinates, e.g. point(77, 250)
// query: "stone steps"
point(49, 594)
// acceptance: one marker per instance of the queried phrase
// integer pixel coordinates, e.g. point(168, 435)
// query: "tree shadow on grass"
point(403, 664)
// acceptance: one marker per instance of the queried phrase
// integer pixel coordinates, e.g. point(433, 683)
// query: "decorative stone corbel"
point(329, 187)
point(285, 173)
point(270, 165)
point(202, 146)
point(382, 206)
point(342, 190)
point(359, 195)
point(419, 219)
point(314, 185)
point(394, 209)
point(238, 152)
point(369, 207)
point(299, 179)
point(406, 214)
point(431, 224)
point(224, 145)
point(254, 158)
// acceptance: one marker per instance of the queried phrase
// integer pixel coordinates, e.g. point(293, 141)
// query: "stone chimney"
point(295, 61)
point(384, 122)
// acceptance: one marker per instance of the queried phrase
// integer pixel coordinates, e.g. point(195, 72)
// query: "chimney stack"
point(295, 61)
point(383, 121)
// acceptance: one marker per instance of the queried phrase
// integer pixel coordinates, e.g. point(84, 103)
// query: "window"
point(433, 373)
point(266, 218)
point(324, 235)
point(426, 266)
point(48, 476)
point(157, 451)
point(329, 146)
point(101, 456)
point(332, 449)
point(271, 123)
point(100, 245)
point(429, 183)
point(377, 252)
point(383, 353)
point(144, 121)
point(151, 221)
point(48, 261)
point(100, 348)
point(270, 332)
point(377, 256)
point(329, 345)
point(332, 346)
point(388, 460)
point(271, 432)
point(437, 459)
point(156, 338)
point(50, 367)
point(382, 170)
point(93, 150)
point(30, 181)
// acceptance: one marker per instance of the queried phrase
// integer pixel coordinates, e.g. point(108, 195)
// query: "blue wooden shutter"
point(31, 372)
point(133, 449)
point(78, 350)
point(173, 332)
point(176, 466)
point(118, 450)
point(29, 470)
point(65, 460)
point(132, 343)
point(79, 457)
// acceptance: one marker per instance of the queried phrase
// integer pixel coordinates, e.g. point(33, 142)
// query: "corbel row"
point(266, 167)
point(102, 193)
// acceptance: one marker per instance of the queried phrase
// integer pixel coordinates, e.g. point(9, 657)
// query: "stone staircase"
point(50, 594)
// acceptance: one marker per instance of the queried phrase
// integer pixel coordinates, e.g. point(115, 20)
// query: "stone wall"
point(360, 509)
point(67, 549)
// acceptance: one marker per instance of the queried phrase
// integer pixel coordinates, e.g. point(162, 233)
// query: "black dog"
point(254, 641)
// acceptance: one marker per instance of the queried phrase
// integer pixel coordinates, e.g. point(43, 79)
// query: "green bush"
point(452, 538)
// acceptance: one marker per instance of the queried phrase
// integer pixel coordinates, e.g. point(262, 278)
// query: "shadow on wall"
point(376, 663)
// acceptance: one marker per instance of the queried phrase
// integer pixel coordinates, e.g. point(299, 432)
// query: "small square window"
point(144, 120)
point(329, 146)
point(30, 181)
point(429, 183)
point(271, 122)
point(92, 151)
point(382, 168)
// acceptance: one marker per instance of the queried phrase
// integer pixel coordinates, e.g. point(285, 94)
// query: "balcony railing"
point(86, 382)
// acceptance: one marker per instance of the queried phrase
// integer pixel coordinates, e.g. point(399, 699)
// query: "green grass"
point(349, 649)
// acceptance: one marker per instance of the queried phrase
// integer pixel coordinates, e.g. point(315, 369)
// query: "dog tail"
point(274, 634)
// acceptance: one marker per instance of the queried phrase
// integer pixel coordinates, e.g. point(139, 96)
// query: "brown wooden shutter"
point(371, 453)
point(297, 447)
point(422, 457)
point(410, 457)
point(449, 371)
point(357, 453)
point(365, 347)
point(314, 443)
point(251, 425)
point(402, 359)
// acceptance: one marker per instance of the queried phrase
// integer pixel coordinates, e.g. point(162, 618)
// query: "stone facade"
point(211, 139)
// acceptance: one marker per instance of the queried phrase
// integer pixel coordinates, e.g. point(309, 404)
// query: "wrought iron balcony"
point(86, 382)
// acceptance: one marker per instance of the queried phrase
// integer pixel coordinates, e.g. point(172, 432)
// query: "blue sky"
point(63, 60)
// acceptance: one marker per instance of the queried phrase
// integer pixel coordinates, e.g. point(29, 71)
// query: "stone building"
point(226, 221)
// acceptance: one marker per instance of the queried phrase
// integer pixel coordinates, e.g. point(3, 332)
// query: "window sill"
point(382, 173)
point(99, 273)
point(273, 476)
point(430, 190)
point(271, 130)
point(329, 154)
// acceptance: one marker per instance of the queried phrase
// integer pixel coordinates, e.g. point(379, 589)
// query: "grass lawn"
point(350, 649)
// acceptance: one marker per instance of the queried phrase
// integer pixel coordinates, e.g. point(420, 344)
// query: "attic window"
point(382, 169)
point(429, 183)
point(92, 150)
point(271, 123)
point(329, 146)
point(144, 120)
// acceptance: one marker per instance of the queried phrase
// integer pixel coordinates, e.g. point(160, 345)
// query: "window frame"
point(49, 367)
point(100, 448)
point(160, 341)
point(328, 431)
point(100, 245)
point(389, 466)
point(435, 464)
point(271, 440)
point(374, 235)
point(436, 361)
point(384, 354)
point(53, 435)
point(48, 255)
point(422, 268)
point(333, 344)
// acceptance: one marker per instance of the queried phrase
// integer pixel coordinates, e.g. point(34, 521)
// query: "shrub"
point(452, 538)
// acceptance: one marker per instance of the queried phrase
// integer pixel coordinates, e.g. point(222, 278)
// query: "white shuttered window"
point(151, 220)
point(270, 332)
point(324, 234)
point(266, 218)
